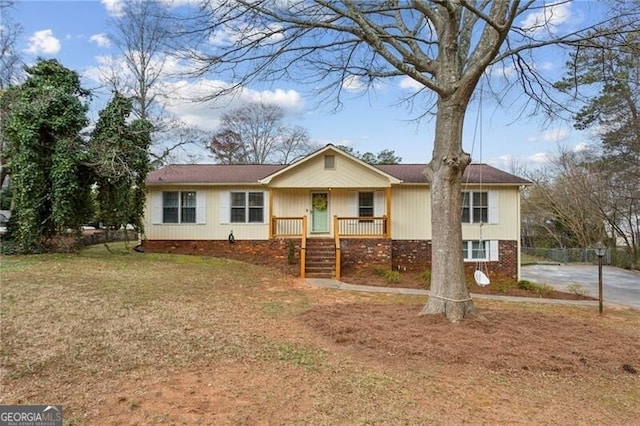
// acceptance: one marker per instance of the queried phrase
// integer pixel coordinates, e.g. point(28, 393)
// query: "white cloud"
point(113, 7)
point(502, 69)
point(181, 97)
point(555, 135)
point(43, 43)
point(411, 84)
point(353, 83)
point(206, 114)
point(101, 40)
point(245, 34)
point(178, 3)
point(539, 158)
point(546, 19)
point(502, 162)
point(582, 146)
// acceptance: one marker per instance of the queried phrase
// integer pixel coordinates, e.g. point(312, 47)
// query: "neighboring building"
point(337, 211)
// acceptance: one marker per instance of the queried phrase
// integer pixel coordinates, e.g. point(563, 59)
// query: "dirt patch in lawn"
point(501, 341)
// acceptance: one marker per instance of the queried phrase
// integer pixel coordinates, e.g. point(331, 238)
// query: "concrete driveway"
point(620, 287)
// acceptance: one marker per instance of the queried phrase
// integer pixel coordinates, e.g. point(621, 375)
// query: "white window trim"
point(157, 208)
point(378, 203)
point(225, 207)
point(491, 253)
point(492, 207)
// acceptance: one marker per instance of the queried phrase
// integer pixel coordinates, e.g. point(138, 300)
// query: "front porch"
point(317, 260)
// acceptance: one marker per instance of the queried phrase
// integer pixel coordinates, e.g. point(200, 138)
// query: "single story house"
point(330, 212)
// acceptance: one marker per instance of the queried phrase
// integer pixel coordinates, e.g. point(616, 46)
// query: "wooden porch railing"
point(288, 227)
point(343, 227)
point(361, 226)
point(357, 227)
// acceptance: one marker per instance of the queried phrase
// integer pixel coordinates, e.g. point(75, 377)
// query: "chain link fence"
point(568, 255)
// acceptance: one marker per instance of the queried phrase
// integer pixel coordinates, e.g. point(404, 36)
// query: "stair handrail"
point(336, 236)
point(303, 247)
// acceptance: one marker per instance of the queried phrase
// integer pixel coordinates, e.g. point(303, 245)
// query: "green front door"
point(319, 212)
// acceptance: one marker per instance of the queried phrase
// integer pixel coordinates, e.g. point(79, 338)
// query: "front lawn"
point(134, 338)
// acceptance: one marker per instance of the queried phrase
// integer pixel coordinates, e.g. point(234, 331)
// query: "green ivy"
point(45, 116)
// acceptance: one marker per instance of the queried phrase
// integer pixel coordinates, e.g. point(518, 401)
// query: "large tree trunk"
point(448, 295)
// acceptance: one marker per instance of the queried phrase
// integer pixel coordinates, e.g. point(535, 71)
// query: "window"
point(179, 207)
point(475, 207)
point(247, 207)
point(365, 204)
point(475, 250)
point(188, 207)
point(170, 207)
point(329, 162)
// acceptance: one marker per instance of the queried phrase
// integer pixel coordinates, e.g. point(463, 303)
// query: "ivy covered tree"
point(121, 163)
point(46, 156)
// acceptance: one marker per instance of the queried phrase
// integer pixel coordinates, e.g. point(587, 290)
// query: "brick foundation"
point(271, 251)
point(411, 255)
point(356, 253)
point(359, 253)
point(415, 255)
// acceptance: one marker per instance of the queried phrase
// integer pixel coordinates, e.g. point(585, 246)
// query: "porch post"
point(271, 217)
point(387, 197)
point(303, 247)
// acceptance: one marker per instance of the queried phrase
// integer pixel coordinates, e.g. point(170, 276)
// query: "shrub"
point(392, 276)
point(527, 285)
point(545, 290)
point(426, 278)
point(503, 286)
point(291, 252)
point(379, 271)
point(577, 289)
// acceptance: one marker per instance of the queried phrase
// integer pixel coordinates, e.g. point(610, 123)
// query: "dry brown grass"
point(156, 339)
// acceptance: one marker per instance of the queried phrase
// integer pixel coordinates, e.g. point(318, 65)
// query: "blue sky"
point(77, 34)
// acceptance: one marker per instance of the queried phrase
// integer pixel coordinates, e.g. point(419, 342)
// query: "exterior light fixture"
point(600, 251)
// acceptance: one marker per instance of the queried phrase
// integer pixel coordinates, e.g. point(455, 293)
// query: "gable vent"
point(329, 162)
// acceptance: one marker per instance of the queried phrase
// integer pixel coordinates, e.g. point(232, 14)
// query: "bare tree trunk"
point(449, 295)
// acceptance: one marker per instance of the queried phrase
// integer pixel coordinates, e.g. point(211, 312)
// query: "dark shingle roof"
point(212, 173)
point(251, 173)
point(474, 173)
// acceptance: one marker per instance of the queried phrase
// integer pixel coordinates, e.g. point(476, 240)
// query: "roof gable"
point(347, 171)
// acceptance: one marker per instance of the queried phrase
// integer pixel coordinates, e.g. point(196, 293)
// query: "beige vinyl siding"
point(508, 226)
point(345, 174)
point(213, 228)
point(291, 202)
point(410, 212)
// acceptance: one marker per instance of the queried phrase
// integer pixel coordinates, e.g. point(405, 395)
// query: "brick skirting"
point(359, 253)
point(271, 251)
point(356, 253)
